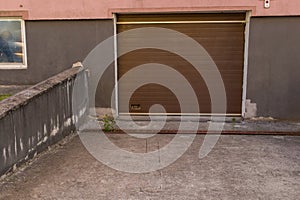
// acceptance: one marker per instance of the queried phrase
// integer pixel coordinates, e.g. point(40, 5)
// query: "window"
point(12, 44)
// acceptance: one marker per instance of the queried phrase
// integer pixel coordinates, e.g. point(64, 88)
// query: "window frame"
point(23, 65)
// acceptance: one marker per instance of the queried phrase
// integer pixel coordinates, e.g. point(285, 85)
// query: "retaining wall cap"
point(23, 97)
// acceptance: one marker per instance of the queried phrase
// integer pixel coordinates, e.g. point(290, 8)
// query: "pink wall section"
point(92, 9)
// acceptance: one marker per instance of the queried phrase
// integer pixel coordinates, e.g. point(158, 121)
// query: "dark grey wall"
point(37, 117)
point(274, 66)
point(53, 46)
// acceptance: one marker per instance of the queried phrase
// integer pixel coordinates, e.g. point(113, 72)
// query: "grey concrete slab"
point(258, 126)
point(238, 167)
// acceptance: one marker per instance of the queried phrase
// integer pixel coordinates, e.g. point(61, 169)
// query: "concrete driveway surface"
point(239, 167)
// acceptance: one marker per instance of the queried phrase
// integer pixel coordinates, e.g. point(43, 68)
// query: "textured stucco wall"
point(37, 117)
point(274, 66)
point(91, 9)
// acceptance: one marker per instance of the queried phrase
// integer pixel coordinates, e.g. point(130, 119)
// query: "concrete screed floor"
point(238, 167)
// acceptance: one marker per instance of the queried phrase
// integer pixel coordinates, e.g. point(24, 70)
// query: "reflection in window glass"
point(11, 44)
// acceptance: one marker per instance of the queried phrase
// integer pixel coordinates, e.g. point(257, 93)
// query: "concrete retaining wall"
point(35, 118)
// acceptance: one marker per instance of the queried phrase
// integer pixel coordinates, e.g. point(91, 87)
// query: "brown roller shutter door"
point(223, 41)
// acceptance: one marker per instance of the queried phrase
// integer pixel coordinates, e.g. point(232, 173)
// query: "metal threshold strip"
point(184, 22)
point(181, 114)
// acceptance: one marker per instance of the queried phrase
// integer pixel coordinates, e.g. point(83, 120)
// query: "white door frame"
point(116, 66)
point(245, 69)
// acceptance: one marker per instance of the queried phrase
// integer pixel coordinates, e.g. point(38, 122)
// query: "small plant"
point(108, 123)
point(4, 96)
point(233, 120)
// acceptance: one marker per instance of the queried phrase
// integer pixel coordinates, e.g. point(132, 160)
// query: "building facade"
point(253, 43)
